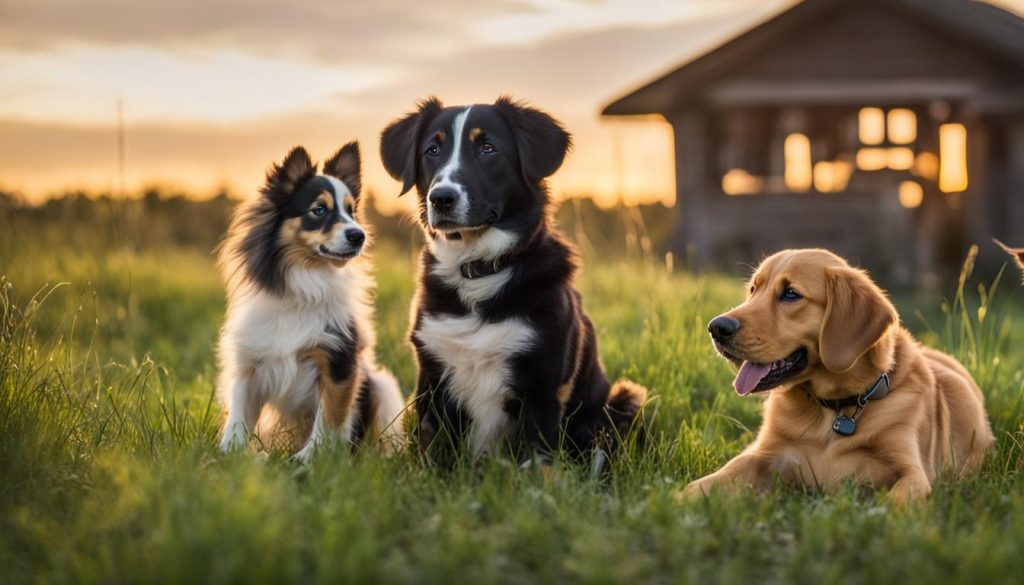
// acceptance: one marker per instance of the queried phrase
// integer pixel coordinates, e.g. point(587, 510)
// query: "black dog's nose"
point(355, 237)
point(723, 327)
point(443, 199)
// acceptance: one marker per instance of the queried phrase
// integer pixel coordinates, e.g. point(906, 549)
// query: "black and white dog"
point(296, 350)
point(503, 346)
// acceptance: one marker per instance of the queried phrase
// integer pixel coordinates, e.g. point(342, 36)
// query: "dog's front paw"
point(230, 444)
point(693, 490)
point(305, 454)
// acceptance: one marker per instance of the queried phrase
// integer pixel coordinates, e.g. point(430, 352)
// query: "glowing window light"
point(900, 158)
point(871, 126)
point(824, 177)
point(831, 176)
point(927, 166)
point(911, 194)
point(740, 182)
point(797, 149)
point(872, 159)
point(952, 158)
point(902, 125)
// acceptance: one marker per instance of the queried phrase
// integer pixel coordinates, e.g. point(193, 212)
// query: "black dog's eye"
point(488, 148)
point(318, 210)
point(432, 150)
point(789, 295)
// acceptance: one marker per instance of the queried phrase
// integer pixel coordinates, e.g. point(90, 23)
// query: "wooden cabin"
point(891, 131)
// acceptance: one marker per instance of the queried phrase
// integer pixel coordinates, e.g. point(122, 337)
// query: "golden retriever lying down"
point(820, 335)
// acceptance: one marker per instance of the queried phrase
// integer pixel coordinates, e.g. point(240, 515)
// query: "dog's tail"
point(625, 400)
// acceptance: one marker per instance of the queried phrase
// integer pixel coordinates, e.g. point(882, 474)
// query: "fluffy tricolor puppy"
point(503, 346)
point(296, 350)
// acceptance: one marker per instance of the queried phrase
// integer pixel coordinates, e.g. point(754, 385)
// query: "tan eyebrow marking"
point(326, 199)
point(442, 135)
point(475, 133)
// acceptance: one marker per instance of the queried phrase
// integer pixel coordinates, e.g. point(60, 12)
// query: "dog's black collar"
point(482, 268)
point(847, 425)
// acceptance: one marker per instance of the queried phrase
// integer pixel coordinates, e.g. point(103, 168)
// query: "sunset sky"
point(213, 91)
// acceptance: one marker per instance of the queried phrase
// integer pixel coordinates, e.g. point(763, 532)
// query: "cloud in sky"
point(215, 90)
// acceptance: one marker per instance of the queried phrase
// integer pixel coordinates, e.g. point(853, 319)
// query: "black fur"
point(509, 186)
point(345, 166)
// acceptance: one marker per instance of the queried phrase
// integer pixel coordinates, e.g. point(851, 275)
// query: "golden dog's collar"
point(847, 425)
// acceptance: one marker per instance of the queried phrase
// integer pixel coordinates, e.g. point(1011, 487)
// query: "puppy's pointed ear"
point(1017, 253)
point(283, 179)
point(399, 141)
point(541, 140)
point(857, 316)
point(345, 165)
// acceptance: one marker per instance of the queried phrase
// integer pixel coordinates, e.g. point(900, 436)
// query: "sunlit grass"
point(110, 473)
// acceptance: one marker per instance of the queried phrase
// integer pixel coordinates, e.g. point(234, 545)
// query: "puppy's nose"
point(355, 237)
point(443, 199)
point(723, 327)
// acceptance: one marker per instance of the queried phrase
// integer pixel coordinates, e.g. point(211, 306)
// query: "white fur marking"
point(476, 357)
point(452, 254)
point(264, 335)
point(444, 177)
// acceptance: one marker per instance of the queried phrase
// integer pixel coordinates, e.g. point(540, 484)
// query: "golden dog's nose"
point(723, 327)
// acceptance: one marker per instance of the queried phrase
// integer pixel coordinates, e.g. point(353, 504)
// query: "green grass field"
point(109, 472)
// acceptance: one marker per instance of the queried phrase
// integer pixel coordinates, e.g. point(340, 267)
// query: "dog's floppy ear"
point(541, 140)
point(283, 179)
point(345, 165)
point(398, 142)
point(1017, 253)
point(857, 316)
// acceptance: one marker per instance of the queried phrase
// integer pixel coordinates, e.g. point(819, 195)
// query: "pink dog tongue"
point(748, 377)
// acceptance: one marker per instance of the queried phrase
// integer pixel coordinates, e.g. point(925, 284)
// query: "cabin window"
point(831, 176)
point(872, 159)
point(797, 150)
point(911, 194)
point(886, 139)
point(952, 158)
point(871, 126)
point(901, 126)
point(740, 182)
point(926, 166)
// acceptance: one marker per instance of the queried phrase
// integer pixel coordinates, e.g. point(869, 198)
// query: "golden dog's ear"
point(857, 316)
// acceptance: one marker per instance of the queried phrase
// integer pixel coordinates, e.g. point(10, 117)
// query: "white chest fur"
point(264, 334)
point(476, 356)
point(452, 254)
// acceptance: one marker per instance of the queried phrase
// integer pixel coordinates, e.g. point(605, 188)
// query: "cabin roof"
point(991, 29)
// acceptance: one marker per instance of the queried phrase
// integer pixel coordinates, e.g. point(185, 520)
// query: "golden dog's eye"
point(788, 294)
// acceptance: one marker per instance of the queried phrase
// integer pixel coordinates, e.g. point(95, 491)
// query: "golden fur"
point(932, 422)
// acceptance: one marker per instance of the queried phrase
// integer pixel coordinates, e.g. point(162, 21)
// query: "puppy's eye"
point(318, 210)
point(432, 150)
point(488, 148)
point(348, 209)
point(790, 295)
